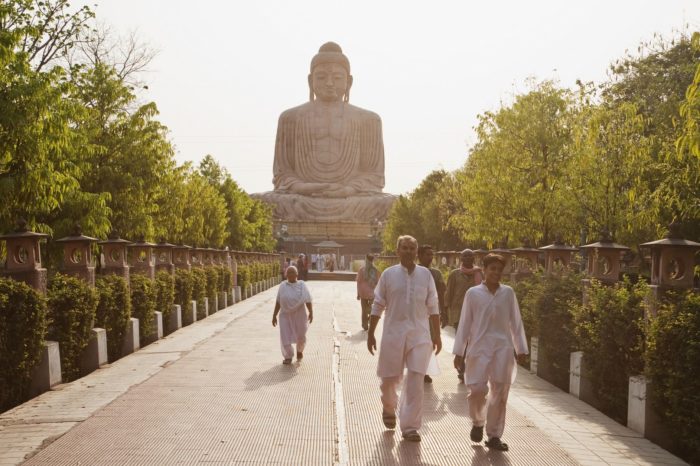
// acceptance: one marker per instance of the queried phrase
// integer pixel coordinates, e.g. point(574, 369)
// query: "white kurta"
point(492, 326)
point(293, 319)
point(407, 300)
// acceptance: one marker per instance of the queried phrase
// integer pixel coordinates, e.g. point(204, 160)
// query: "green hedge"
point(546, 303)
point(673, 363)
point(143, 304)
point(213, 286)
point(226, 279)
point(244, 276)
point(113, 311)
point(165, 295)
point(199, 290)
point(72, 306)
point(609, 330)
point(23, 324)
point(184, 283)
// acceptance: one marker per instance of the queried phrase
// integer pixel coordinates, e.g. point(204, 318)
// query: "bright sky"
point(227, 69)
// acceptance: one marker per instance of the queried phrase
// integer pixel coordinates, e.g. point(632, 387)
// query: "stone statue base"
point(356, 209)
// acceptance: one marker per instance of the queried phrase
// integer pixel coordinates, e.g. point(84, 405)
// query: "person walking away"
point(407, 296)
point(293, 300)
point(458, 282)
point(367, 278)
point(491, 330)
point(425, 258)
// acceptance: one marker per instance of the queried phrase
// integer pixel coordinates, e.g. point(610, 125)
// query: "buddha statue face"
point(330, 82)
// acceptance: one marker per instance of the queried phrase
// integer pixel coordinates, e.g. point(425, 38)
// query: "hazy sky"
point(227, 69)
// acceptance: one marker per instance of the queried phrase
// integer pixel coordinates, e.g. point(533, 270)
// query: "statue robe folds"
point(344, 150)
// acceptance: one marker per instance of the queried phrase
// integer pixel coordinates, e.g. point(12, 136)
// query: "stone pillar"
point(181, 257)
point(77, 256)
point(157, 330)
point(641, 417)
point(579, 384)
point(557, 255)
point(48, 373)
point(534, 354)
point(94, 355)
point(604, 259)
point(197, 257)
point(114, 256)
point(141, 259)
point(24, 257)
point(164, 257)
point(132, 338)
point(526, 261)
point(175, 320)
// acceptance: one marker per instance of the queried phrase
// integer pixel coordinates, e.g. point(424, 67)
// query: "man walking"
point(458, 282)
point(492, 327)
point(406, 293)
point(367, 278)
point(425, 258)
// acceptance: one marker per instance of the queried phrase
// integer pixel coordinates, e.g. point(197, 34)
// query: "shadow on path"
point(273, 376)
point(484, 456)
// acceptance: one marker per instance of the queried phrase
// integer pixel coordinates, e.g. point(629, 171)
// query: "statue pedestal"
point(356, 237)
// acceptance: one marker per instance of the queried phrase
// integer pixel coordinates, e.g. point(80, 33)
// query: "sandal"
point(287, 361)
point(496, 444)
point(477, 433)
point(389, 420)
point(411, 436)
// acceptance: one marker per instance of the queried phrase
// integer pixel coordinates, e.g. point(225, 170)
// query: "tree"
point(424, 213)
point(513, 183)
point(46, 30)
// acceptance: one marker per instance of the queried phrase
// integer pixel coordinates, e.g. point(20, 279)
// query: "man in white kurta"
point(491, 330)
point(293, 300)
point(406, 295)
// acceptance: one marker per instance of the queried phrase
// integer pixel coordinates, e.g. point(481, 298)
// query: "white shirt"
point(492, 327)
point(407, 299)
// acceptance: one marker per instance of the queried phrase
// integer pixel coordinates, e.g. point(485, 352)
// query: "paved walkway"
point(216, 393)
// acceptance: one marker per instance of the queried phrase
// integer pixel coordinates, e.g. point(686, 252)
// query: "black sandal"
point(477, 433)
point(496, 444)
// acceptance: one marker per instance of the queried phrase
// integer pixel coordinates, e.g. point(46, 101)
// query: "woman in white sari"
point(292, 297)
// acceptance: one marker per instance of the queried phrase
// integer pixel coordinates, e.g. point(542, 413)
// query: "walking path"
point(216, 393)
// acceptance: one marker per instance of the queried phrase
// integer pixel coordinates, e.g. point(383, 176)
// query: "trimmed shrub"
point(165, 295)
point(199, 290)
point(113, 311)
point(226, 279)
point(546, 308)
point(72, 305)
point(143, 304)
point(609, 329)
point(212, 286)
point(23, 323)
point(673, 363)
point(184, 283)
point(243, 276)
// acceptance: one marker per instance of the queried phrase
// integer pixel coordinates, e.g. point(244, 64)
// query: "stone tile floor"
point(216, 393)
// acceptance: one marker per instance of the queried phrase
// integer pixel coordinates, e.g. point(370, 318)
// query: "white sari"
point(293, 319)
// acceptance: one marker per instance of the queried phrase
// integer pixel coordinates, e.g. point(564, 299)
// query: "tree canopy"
point(77, 145)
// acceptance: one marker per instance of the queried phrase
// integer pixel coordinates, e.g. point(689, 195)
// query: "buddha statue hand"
point(335, 190)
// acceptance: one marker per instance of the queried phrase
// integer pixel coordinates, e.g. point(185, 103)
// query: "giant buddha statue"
point(329, 155)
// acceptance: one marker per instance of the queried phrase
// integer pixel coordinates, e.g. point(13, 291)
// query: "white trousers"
point(288, 351)
point(411, 403)
point(490, 410)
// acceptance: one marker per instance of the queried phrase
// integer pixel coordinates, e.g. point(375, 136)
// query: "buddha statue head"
point(330, 79)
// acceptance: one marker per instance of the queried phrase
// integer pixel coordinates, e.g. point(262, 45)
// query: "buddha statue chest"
point(327, 136)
